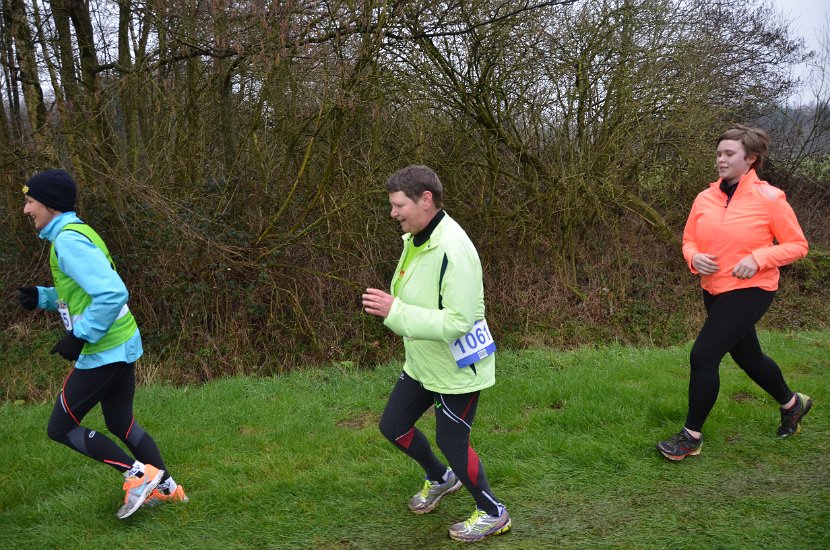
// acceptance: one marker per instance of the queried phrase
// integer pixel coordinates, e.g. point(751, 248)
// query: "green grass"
point(567, 439)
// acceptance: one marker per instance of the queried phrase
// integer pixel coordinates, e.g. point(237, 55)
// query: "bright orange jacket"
point(757, 214)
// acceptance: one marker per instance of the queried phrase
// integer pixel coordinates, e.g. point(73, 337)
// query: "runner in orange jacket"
point(739, 232)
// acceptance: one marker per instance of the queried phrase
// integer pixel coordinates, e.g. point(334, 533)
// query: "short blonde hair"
point(754, 140)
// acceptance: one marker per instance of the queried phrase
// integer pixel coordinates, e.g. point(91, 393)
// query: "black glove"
point(27, 296)
point(69, 347)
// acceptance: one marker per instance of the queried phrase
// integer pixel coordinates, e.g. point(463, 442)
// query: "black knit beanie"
point(55, 189)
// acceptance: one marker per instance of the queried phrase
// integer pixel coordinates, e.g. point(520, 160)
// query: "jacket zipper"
point(717, 237)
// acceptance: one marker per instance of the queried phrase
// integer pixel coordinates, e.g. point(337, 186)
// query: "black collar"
point(728, 188)
point(424, 235)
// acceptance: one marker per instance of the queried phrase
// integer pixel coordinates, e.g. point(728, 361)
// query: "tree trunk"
point(15, 14)
point(66, 61)
point(102, 157)
point(128, 91)
point(10, 74)
point(78, 11)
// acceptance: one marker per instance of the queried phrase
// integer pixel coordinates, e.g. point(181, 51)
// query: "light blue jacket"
point(84, 262)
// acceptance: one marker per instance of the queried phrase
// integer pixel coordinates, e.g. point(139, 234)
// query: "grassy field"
point(567, 438)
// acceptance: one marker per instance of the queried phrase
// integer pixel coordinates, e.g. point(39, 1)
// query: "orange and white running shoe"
point(160, 497)
point(138, 489)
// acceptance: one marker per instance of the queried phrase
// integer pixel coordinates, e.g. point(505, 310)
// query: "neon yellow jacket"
point(427, 330)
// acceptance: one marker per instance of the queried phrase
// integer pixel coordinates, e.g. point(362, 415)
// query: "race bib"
point(473, 346)
point(63, 309)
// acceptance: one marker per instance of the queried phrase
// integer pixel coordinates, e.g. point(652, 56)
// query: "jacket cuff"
point(391, 320)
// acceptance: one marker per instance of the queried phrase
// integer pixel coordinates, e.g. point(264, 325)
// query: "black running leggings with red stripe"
point(454, 416)
point(730, 328)
point(113, 386)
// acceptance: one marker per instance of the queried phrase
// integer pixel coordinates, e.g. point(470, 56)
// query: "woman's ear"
point(426, 197)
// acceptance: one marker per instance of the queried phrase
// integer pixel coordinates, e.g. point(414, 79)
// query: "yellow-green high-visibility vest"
point(78, 300)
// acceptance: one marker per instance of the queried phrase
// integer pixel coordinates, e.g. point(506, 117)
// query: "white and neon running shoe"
point(425, 500)
point(481, 525)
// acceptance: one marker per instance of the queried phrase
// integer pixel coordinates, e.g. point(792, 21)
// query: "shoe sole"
point(503, 529)
point(435, 502)
point(153, 503)
point(147, 490)
point(678, 458)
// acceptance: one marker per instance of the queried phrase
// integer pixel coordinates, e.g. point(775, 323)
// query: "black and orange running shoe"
point(791, 419)
point(680, 445)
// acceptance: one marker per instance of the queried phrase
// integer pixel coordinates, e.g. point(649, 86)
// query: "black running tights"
point(454, 416)
point(113, 386)
point(730, 328)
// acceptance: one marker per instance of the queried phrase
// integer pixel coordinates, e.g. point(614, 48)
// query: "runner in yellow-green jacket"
point(437, 305)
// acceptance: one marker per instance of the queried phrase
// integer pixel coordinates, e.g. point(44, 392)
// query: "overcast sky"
point(809, 20)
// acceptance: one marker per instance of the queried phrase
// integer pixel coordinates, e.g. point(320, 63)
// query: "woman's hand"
point(28, 297)
point(377, 302)
point(705, 263)
point(746, 268)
